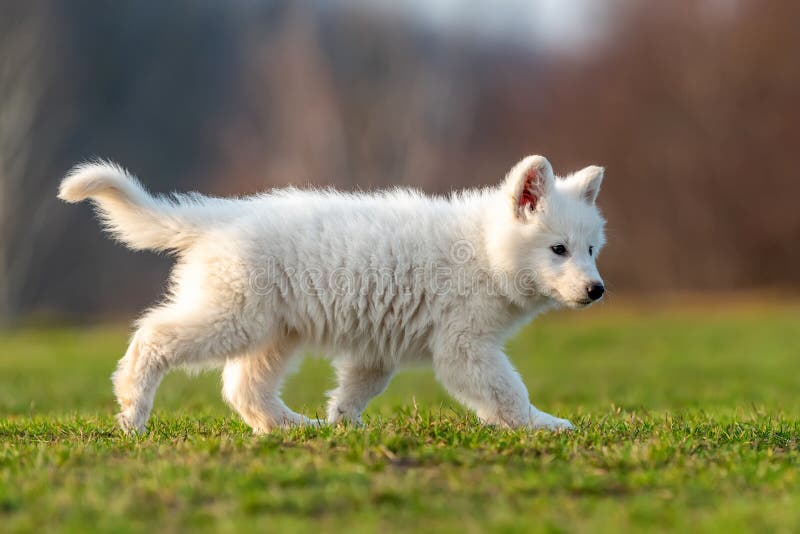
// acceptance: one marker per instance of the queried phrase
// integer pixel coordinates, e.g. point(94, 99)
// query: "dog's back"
point(367, 274)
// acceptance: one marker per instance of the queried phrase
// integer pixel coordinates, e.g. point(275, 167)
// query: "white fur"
point(377, 280)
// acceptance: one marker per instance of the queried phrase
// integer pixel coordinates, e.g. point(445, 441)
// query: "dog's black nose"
point(595, 291)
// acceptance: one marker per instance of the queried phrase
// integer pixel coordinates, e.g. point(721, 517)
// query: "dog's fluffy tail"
point(127, 210)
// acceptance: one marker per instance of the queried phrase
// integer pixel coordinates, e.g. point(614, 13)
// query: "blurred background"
point(692, 106)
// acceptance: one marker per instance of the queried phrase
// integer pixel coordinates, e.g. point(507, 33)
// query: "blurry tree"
point(26, 66)
point(692, 107)
point(694, 111)
point(318, 107)
point(288, 124)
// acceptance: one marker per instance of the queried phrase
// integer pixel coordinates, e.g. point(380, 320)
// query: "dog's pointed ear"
point(588, 181)
point(528, 182)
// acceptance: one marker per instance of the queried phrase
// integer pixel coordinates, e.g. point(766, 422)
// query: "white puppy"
point(377, 280)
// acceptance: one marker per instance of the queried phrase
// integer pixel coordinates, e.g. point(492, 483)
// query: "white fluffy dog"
point(378, 280)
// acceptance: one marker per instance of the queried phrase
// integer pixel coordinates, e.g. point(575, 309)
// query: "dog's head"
point(549, 232)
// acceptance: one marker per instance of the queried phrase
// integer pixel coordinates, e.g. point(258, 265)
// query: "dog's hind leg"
point(251, 386)
point(170, 337)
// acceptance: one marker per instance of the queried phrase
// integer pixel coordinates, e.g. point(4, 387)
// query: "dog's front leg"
point(479, 375)
point(358, 384)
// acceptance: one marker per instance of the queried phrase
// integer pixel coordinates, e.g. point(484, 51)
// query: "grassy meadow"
point(688, 419)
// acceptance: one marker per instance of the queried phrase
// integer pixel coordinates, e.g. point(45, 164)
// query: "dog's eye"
point(591, 251)
point(559, 250)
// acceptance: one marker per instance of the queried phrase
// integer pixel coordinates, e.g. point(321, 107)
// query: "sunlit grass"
point(687, 420)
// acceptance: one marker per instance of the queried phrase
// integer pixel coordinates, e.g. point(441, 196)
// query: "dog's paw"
point(346, 422)
point(545, 421)
point(339, 416)
point(130, 424)
point(286, 421)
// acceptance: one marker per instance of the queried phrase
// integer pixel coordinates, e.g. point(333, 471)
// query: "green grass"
point(689, 419)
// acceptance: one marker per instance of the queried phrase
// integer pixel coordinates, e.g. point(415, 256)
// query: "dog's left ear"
point(587, 182)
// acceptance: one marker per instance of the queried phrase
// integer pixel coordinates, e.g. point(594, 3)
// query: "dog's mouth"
point(571, 303)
